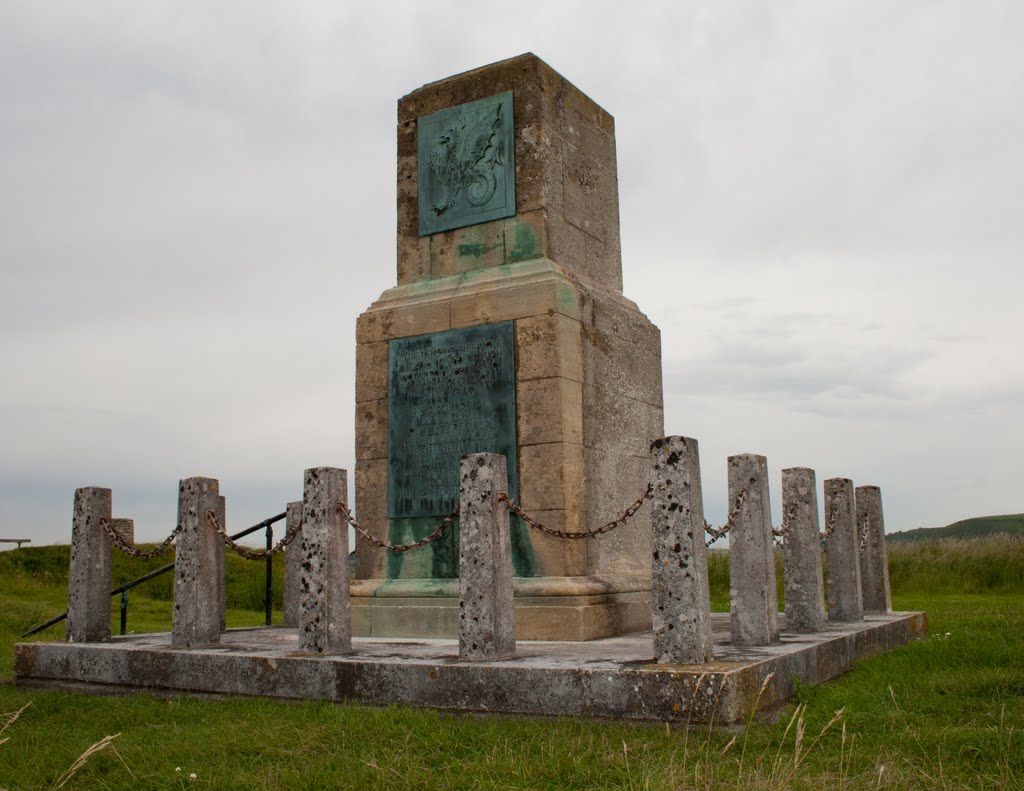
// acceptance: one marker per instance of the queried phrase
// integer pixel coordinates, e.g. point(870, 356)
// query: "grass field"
point(976, 527)
point(946, 712)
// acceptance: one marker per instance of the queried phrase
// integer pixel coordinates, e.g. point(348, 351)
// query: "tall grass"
point(958, 565)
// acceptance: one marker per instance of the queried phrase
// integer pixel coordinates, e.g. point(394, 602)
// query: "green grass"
point(946, 712)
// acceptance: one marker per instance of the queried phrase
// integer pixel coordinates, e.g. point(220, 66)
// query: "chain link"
point(830, 523)
point(515, 509)
point(247, 552)
point(787, 522)
point(864, 534)
point(434, 535)
point(118, 541)
point(718, 532)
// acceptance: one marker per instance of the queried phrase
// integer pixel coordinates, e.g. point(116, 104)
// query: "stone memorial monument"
point(508, 333)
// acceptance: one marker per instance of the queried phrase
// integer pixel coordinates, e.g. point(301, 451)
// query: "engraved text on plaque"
point(449, 394)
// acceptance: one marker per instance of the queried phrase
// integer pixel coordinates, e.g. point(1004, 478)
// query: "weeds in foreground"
point(11, 717)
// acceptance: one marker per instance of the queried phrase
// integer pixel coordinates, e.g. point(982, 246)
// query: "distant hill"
point(975, 527)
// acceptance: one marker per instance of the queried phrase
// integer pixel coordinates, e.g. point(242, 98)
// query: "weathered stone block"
point(551, 475)
point(222, 519)
point(372, 429)
point(371, 370)
point(805, 591)
point(324, 620)
point(292, 593)
point(549, 346)
point(486, 615)
point(89, 576)
point(752, 593)
point(415, 319)
point(874, 566)
point(680, 600)
point(466, 249)
point(525, 237)
point(842, 554)
point(549, 410)
point(199, 565)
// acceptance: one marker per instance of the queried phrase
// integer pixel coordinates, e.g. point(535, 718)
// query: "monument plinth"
point(507, 332)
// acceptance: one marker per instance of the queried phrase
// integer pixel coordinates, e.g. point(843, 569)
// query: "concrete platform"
point(614, 677)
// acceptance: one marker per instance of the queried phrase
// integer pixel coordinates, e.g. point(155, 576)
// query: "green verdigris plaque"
point(449, 394)
point(466, 164)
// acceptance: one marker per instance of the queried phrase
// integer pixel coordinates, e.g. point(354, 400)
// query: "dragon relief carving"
point(465, 157)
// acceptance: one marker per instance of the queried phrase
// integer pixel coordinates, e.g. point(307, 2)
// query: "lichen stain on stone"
point(473, 250)
point(524, 245)
point(597, 339)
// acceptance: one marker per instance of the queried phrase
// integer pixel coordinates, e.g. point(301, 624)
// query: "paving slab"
point(611, 678)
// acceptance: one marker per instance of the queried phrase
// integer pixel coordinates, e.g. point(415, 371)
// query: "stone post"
point(89, 576)
point(680, 600)
point(198, 565)
point(874, 565)
point(325, 625)
point(842, 554)
point(487, 628)
point(125, 528)
point(801, 551)
point(222, 598)
point(293, 565)
point(754, 599)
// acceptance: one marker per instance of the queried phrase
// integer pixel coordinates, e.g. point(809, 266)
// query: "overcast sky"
point(821, 209)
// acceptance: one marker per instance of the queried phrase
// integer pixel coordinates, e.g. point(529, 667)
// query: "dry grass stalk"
point(71, 770)
point(11, 718)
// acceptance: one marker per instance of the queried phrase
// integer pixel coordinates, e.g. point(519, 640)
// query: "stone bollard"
point(222, 593)
point(680, 600)
point(842, 554)
point(198, 565)
point(754, 601)
point(874, 565)
point(293, 565)
point(125, 529)
point(325, 625)
point(89, 576)
point(801, 551)
point(487, 627)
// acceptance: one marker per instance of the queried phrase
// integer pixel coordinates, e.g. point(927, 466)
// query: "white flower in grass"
point(192, 776)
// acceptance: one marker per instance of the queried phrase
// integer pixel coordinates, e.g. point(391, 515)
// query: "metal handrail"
point(122, 590)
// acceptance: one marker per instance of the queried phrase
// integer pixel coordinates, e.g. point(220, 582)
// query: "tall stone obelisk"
point(507, 332)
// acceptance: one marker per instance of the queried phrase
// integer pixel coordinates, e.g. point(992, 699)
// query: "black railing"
point(122, 590)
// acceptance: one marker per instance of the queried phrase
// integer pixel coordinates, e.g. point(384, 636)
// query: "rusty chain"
point(434, 535)
point(718, 532)
point(131, 551)
point(247, 552)
point(787, 522)
point(515, 509)
point(830, 523)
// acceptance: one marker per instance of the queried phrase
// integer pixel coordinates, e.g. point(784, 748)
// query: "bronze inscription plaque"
point(449, 394)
